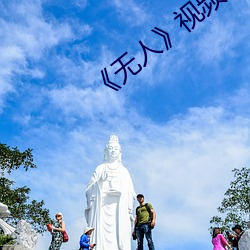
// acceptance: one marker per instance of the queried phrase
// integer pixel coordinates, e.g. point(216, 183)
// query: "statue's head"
point(4, 211)
point(113, 150)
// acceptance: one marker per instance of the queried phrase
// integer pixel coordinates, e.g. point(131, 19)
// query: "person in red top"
point(218, 240)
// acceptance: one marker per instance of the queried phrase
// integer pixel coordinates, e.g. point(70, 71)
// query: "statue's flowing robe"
point(110, 197)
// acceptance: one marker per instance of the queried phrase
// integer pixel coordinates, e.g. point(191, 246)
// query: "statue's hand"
point(90, 202)
point(104, 176)
point(132, 217)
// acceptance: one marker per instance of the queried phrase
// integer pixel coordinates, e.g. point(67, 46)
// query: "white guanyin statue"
point(110, 198)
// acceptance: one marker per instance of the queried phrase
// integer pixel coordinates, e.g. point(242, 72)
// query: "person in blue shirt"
point(85, 239)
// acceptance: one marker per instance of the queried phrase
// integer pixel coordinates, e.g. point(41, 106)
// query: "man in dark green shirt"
point(144, 223)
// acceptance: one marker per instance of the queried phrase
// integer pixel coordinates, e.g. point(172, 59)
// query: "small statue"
point(23, 234)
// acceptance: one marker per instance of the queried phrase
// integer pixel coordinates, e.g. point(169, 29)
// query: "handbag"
point(134, 235)
point(65, 236)
point(49, 227)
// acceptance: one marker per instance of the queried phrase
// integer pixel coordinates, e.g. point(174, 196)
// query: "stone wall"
point(244, 242)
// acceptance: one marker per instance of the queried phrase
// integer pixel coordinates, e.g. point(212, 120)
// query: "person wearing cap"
point(85, 239)
point(142, 226)
point(239, 231)
point(56, 231)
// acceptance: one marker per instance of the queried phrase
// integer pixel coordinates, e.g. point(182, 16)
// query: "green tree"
point(235, 207)
point(17, 199)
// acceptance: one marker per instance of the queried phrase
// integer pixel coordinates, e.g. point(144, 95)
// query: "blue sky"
point(183, 120)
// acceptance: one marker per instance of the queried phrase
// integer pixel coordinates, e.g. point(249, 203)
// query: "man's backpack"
point(150, 218)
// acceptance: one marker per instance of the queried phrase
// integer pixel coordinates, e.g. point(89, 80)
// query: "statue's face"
point(114, 150)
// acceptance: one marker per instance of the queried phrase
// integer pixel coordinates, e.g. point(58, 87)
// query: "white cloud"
point(32, 33)
point(131, 12)
point(86, 102)
point(242, 7)
point(80, 3)
point(183, 167)
point(82, 73)
point(217, 42)
point(25, 35)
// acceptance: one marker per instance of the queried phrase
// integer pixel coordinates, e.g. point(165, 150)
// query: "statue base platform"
point(12, 247)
